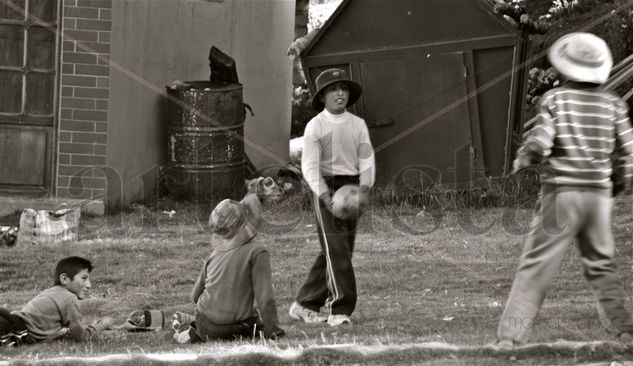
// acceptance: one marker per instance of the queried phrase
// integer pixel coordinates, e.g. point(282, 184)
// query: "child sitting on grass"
point(234, 277)
point(54, 313)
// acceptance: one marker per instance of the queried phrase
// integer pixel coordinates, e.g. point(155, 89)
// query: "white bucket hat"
point(582, 57)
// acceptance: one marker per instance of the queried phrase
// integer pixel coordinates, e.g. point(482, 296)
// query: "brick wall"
point(84, 89)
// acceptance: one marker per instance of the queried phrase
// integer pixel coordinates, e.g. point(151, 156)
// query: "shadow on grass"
point(561, 352)
point(12, 219)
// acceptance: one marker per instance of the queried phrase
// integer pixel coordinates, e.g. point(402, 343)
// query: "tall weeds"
point(513, 191)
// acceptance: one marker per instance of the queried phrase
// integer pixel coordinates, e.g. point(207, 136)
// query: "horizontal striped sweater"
point(583, 137)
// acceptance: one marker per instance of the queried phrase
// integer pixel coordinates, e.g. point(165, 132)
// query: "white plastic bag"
point(48, 227)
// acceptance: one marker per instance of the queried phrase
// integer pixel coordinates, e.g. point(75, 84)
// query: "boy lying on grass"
point(234, 277)
point(54, 313)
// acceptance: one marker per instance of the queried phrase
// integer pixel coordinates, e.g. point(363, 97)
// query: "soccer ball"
point(345, 202)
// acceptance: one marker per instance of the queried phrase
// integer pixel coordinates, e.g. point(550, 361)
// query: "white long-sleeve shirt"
point(337, 144)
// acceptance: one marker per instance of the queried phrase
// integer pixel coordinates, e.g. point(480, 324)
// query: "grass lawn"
point(422, 277)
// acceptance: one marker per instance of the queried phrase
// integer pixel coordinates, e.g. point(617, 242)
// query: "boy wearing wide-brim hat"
point(337, 151)
point(582, 140)
point(234, 277)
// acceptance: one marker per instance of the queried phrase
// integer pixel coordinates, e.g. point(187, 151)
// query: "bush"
point(605, 18)
point(301, 110)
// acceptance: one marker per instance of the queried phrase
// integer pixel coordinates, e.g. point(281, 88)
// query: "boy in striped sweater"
point(583, 141)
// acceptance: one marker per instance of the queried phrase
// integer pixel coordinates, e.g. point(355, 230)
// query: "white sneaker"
point(338, 319)
point(175, 322)
point(298, 312)
point(184, 334)
point(503, 345)
point(179, 319)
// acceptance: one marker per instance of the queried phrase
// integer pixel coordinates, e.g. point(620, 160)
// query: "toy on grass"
point(144, 321)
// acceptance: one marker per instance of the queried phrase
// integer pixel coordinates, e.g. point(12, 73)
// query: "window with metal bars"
point(28, 33)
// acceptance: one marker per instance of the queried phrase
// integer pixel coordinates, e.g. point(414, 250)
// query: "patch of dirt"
point(12, 219)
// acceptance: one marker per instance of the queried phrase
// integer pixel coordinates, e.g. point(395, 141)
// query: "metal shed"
point(443, 85)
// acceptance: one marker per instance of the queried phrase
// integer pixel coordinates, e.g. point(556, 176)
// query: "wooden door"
point(28, 64)
point(417, 109)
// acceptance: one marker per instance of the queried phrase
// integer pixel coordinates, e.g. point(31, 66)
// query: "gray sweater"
point(235, 280)
point(54, 313)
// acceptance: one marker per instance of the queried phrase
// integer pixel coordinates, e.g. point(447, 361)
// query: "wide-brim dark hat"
point(329, 77)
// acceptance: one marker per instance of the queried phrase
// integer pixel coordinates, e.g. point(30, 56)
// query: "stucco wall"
point(156, 42)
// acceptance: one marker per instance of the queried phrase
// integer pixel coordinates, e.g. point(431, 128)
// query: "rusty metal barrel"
point(206, 158)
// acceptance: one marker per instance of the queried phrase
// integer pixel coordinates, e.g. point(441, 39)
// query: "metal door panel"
point(419, 110)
